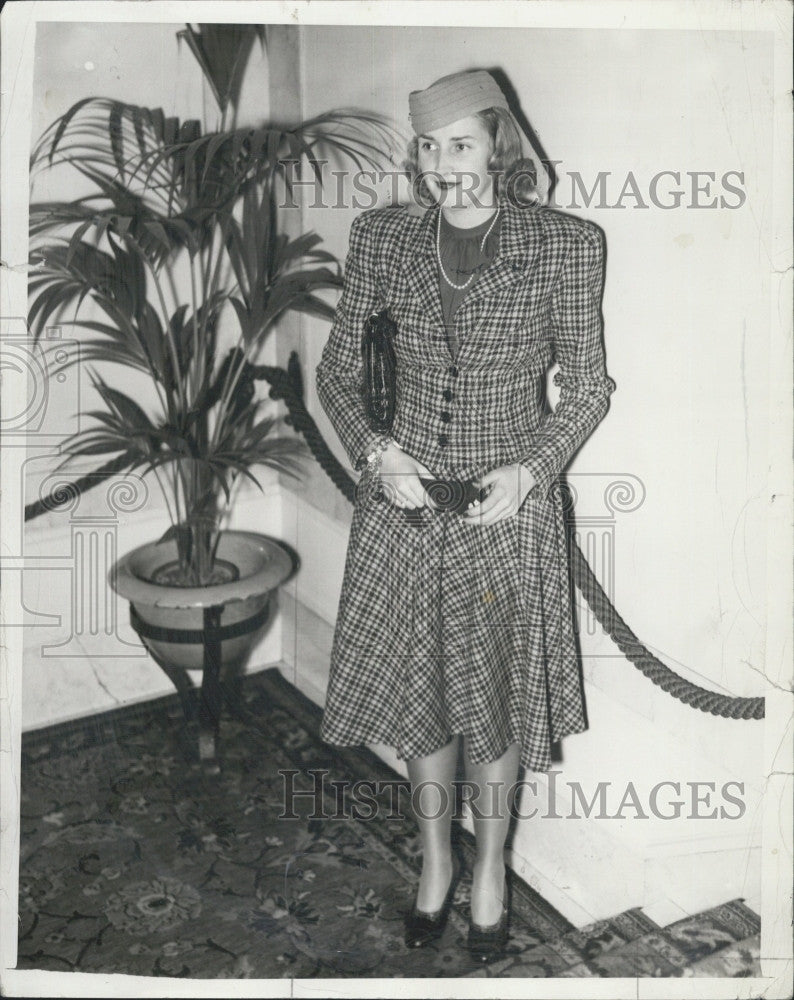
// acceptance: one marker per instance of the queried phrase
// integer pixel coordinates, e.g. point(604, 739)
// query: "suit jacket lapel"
point(518, 247)
point(421, 270)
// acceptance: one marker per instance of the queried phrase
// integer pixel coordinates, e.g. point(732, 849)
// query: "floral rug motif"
point(135, 860)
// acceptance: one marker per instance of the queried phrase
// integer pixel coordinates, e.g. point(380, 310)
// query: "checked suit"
point(451, 626)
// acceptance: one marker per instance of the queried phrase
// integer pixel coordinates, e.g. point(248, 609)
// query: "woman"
point(457, 622)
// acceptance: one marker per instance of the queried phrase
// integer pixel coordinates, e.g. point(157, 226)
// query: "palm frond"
point(222, 52)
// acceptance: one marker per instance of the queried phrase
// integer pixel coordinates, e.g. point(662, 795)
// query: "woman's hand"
point(509, 487)
point(399, 476)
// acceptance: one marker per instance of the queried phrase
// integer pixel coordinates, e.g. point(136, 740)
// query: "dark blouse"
point(461, 256)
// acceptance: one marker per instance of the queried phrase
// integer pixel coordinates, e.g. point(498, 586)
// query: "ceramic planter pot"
point(258, 566)
point(202, 628)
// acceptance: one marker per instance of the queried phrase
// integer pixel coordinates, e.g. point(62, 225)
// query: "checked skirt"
point(451, 627)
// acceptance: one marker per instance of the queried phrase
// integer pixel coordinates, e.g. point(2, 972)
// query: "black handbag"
point(380, 391)
point(380, 371)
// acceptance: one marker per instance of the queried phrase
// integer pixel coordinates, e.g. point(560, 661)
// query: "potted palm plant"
point(180, 234)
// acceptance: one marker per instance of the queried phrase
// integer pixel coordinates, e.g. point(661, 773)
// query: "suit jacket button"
point(443, 440)
point(453, 371)
point(447, 394)
point(446, 416)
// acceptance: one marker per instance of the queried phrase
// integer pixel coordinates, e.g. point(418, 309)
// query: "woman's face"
point(455, 160)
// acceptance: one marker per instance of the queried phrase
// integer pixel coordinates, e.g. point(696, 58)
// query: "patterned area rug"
point(134, 860)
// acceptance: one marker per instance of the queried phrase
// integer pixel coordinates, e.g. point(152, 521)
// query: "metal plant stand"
point(211, 636)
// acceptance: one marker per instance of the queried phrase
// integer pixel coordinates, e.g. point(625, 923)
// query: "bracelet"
point(376, 454)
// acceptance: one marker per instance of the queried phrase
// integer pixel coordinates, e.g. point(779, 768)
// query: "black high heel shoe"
point(486, 943)
point(423, 928)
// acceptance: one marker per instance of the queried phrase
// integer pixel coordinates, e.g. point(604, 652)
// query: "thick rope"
point(652, 668)
point(286, 385)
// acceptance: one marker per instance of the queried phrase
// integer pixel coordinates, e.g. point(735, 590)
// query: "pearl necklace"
point(470, 278)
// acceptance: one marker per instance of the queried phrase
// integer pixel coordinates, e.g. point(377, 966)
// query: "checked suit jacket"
point(539, 301)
